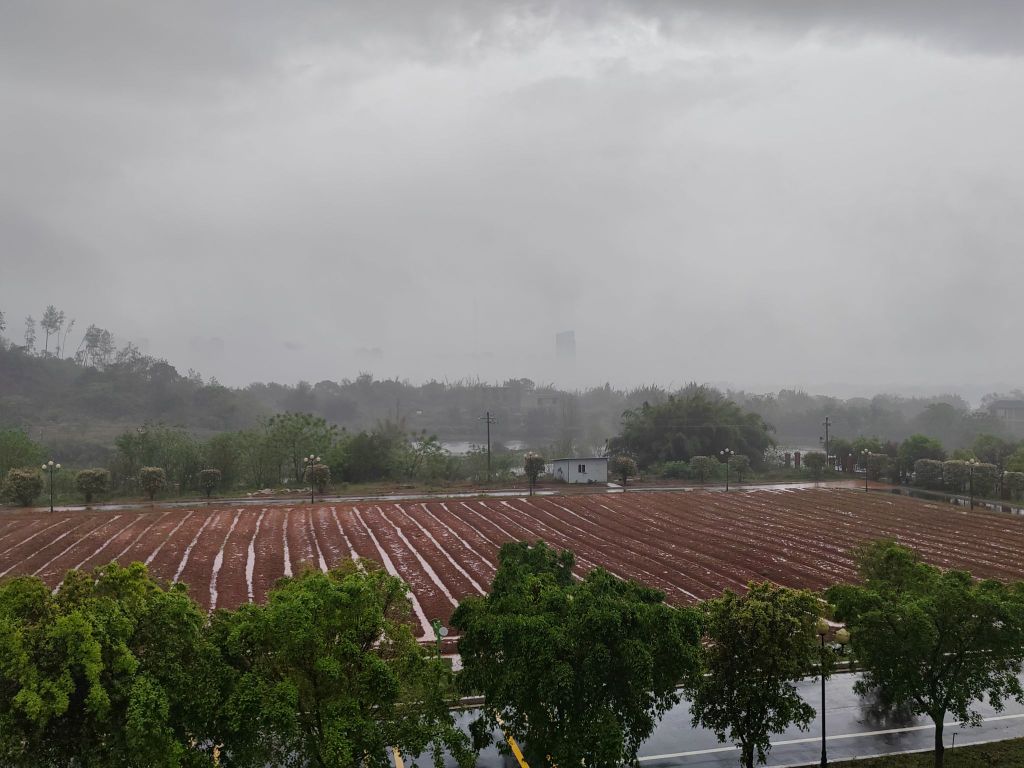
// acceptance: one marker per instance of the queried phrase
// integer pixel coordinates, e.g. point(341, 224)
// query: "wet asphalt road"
point(853, 731)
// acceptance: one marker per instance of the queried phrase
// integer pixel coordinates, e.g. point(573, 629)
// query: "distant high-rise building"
point(565, 345)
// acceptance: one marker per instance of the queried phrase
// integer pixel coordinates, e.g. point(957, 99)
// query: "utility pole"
point(489, 420)
point(826, 424)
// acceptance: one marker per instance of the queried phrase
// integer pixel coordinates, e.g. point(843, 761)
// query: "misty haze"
point(604, 376)
point(757, 195)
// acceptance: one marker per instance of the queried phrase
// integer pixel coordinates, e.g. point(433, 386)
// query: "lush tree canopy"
point(756, 646)
point(698, 421)
point(111, 671)
point(327, 673)
point(580, 672)
point(935, 642)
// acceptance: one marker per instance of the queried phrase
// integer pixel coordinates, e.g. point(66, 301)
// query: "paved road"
point(853, 731)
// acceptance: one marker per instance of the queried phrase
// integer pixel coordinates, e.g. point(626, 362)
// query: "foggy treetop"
point(760, 195)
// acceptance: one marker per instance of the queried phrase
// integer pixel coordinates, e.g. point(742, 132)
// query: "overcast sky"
point(765, 194)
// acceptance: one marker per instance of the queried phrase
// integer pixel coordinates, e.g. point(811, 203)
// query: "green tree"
point(1015, 461)
point(30, 335)
point(917, 447)
point(152, 480)
point(622, 467)
point(328, 670)
point(258, 459)
point(209, 479)
point(224, 451)
point(697, 421)
point(869, 444)
point(876, 465)
point(533, 466)
point(703, 467)
point(91, 482)
point(740, 466)
point(933, 641)
point(51, 323)
point(23, 486)
point(296, 435)
point(110, 671)
point(815, 462)
point(18, 450)
point(756, 646)
point(579, 672)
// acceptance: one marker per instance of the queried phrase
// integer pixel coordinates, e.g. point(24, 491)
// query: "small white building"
point(593, 469)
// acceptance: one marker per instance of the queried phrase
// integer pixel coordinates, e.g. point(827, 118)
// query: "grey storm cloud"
point(766, 193)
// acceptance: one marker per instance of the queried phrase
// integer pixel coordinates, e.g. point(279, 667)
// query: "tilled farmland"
point(692, 545)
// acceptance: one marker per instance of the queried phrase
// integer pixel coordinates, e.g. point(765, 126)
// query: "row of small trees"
point(112, 669)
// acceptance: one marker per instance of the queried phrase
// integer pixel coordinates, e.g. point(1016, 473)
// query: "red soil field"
point(692, 545)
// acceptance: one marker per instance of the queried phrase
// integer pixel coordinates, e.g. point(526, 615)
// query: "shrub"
point(320, 476)
point(209, 479)
point(876, 464)
point(533, 465)
point(675, 470)
point(928, 473)
point(985, 478)
point(1013, 482)
point(91, 482)
point(703, 467)
point(955, 475)
point(23, 486)
point(151, 480)
point(815, 463)
point(739, 464)
point(622, 467)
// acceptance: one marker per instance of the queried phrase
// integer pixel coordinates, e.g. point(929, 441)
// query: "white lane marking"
point(817, 739)
point(316, 543)
point(168, 537)
point(138, 538)
point(348, 543)
point(442, 550)
point(250, 561)
point(188, 549)
point(73, 545)
point(431, 574)
point(389, 566)
point(218, 561)
point(37, 533)
point(107, 543)
point(287, 554)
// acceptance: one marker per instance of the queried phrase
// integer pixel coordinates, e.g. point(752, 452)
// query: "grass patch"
point(997, 753)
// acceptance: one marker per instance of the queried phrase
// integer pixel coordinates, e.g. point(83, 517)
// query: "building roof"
point(583, 458)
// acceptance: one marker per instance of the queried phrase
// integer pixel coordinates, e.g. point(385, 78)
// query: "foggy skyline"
point(756, 194)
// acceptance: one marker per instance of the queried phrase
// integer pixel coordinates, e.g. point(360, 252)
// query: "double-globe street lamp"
point(311, 461)
point(865, 454)
point(971, 465)
point(727, 454)
point(50, 468)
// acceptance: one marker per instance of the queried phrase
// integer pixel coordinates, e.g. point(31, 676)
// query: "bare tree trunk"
point(747, 755)
point(940, 748)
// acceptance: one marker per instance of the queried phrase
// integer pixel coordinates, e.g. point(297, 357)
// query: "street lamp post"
point(726, 455)
point(970, 466)
point(311, 461)
point(50, 468)
point(865, 453)
point(822, 630)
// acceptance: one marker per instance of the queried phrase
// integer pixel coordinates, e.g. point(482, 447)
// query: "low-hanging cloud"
point(762, 193)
